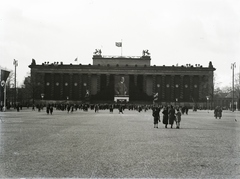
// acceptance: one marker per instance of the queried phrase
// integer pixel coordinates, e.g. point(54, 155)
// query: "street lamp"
point(3, 84)
point(86, 90)
point(42, 96)
point(233, 65)
point(207, 102)
point(15, 63)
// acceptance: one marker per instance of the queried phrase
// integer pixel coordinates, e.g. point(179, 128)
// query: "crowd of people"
point(170, 115)
point(85, 107)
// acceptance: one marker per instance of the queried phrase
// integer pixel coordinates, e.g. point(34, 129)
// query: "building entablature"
point(91, 69)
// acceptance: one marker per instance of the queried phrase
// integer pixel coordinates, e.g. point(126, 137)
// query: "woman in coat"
point(165, 116)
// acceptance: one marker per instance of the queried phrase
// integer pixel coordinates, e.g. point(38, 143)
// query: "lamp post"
point(15, 63)
point(86, 91)
point(233, 65)
point(3, 84)
point(42, 96)
point(207, 103)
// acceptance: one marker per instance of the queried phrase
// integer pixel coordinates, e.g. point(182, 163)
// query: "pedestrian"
point(165, 116)
point(171, 114)
point(48, 109)
point(51, 109)
point(120, 109)
point(218, 112)
point(186, 110)
point(96, 107)
point(178, 118)
point(111, 108)
point(156, 116)
point(68, 108)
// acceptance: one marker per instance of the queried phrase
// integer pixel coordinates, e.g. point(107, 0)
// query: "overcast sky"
point(174, 32)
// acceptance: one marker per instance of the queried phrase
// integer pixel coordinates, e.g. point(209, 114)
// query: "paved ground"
point(104, 145)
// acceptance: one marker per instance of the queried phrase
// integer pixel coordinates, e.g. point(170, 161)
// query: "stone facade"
point(174, 84)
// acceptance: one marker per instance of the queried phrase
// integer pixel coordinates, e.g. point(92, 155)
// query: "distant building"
point(225, 101)
point(182, 85)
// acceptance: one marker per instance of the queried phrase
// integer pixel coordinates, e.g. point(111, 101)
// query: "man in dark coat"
point(165, 116)
point(171, 116)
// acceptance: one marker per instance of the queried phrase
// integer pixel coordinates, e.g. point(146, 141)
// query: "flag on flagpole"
point(155, 97)
point(119, 44)
point(15, 62)
point(76, 59)
point(4, 75)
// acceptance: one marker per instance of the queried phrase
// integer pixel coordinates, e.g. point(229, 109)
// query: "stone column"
point(70, 85)
point(80, 86)
point(144, 83)
point(108, 78)
point(135, 80)
point(61, 86)
point(181, 86)
point(163, 86)
point(98, 82)
point(191, 87)
point(52, 86)
point(154, 84)
point(42, 82)
point(200, 87)
point(172, 85)
point(89, 83)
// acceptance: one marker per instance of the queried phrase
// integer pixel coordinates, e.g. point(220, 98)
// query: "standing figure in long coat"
point(171, 116)
point(156, 116)
point(165, 116)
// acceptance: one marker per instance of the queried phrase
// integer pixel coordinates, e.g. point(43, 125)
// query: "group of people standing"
point(169, 116)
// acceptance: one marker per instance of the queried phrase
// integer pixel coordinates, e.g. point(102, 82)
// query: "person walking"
point(48, 109)
point(120, 109)
point(218, 112)
point(156, 116)
point(165, 116)
point(171, 116)
point(178, 118)
point(111, 108)
point(51, 109)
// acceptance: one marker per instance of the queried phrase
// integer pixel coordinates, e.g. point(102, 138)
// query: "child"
point(178, 118)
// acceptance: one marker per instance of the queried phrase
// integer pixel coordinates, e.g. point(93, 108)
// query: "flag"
point(76, 59)
point(15, 62)
point(119, 44)
point(4, 75)
point(155, 97)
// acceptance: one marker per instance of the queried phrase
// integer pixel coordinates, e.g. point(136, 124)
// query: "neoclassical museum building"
point(122, 78)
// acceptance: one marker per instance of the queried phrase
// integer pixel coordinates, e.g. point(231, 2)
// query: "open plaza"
point(111, 145)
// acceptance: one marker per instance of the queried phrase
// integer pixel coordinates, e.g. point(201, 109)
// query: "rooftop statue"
point(145, 53)
point(97, 52)
point(33, 62)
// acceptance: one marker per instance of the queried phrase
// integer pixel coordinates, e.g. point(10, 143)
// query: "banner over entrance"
point(121, 88)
